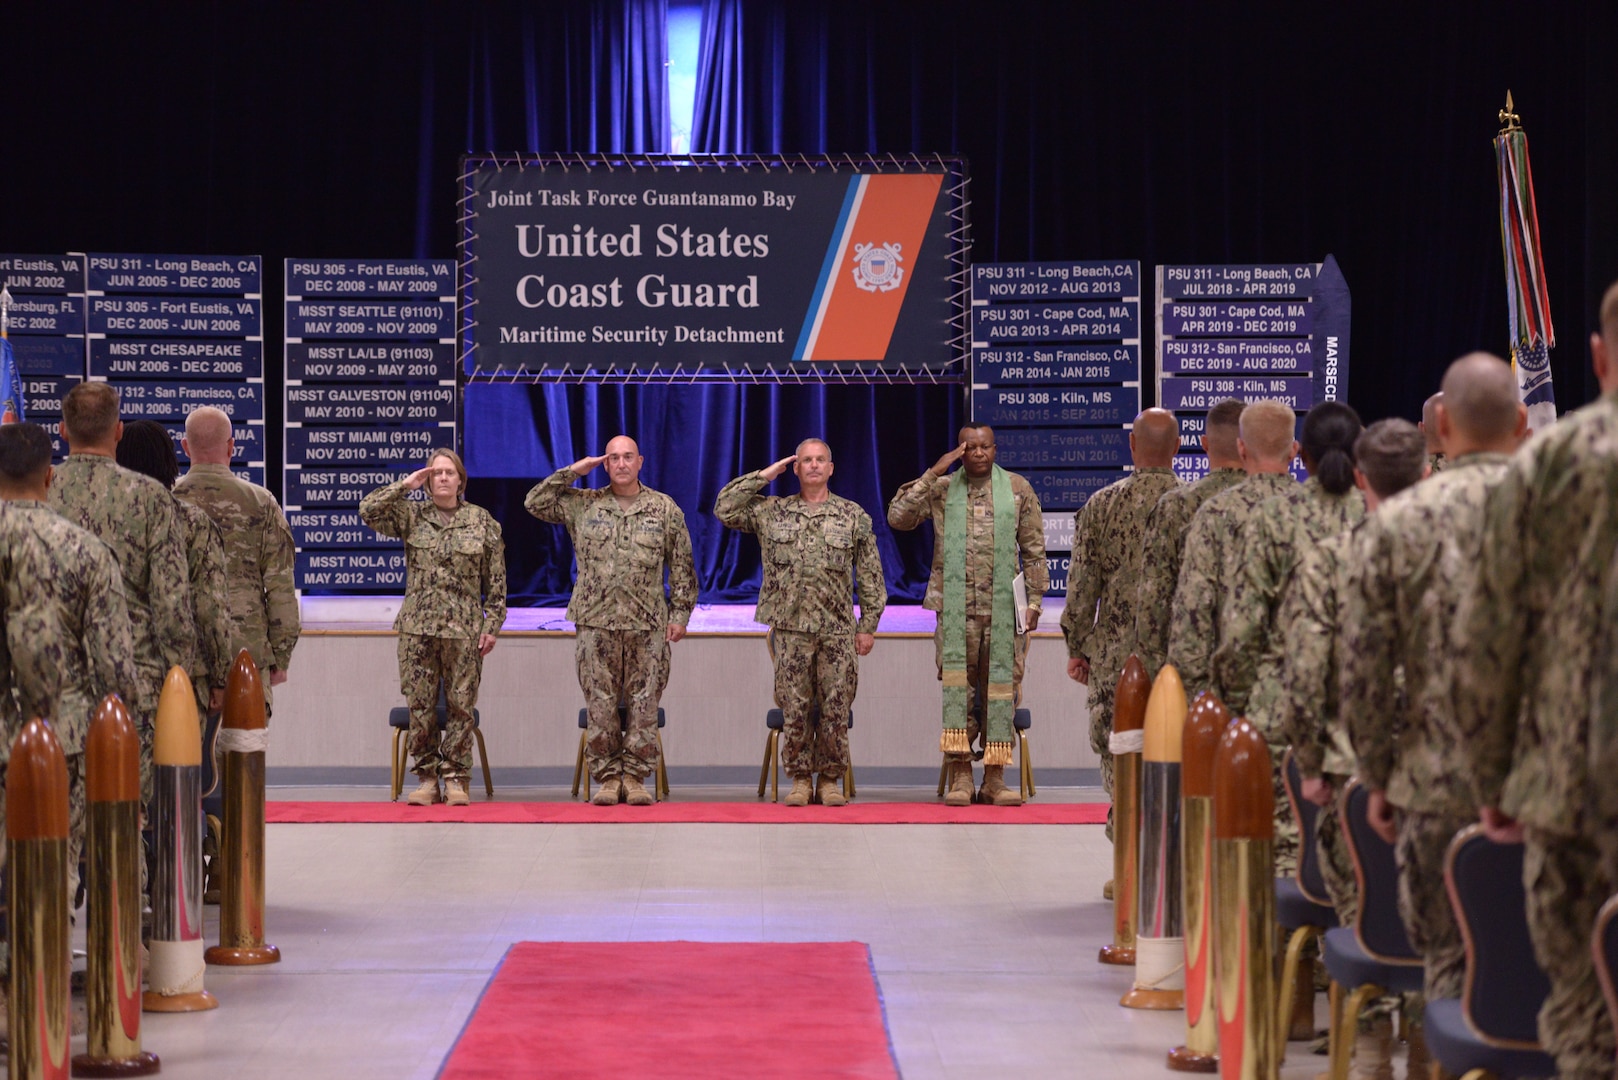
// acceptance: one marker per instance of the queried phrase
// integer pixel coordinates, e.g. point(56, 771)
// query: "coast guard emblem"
point(876, 268)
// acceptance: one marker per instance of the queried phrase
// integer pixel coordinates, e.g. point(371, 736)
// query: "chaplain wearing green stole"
point(987, 528)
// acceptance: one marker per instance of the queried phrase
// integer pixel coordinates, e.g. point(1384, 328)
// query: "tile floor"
point(984, 937)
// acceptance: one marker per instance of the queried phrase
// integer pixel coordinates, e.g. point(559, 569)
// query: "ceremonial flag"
point(1528, 301)
point(11, 409)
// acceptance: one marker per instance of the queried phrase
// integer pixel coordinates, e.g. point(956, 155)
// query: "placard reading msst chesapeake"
point(572, 271)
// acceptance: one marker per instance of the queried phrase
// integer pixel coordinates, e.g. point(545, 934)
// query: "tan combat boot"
point(960, 784)
point(611, 789)
point(635, 793)
point(1373, 1051)
point(995, 790)
point(455, 793)
point(830, 791)
point(426, 794)
point(801, 790)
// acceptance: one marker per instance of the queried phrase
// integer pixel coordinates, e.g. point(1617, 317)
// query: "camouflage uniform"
point(455, 591)
point(1528, 631)
point(922, 500)
point(135, 517)
point(814, 555)
point(1166, 529)
point(68, 634)
point(1418, 558)
point(210, 604)
point(621, 611)
point(1098, 620)
point(1252, 637)
point(258, 562)
point(1208, 565)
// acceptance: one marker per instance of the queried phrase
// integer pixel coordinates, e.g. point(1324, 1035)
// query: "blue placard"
point(1206, 391)
point(1067, 280)
point(249, 441)
point(366, 445)
point(43, 394)
point(334, 528)
point(44, 313)
point(175, 401)
point(343, 404)
point(175, 316)
point(369, 277)
point(390, 361)
point(1101, 320)
point(1239, 318)
point(42, 273)
point(40, 355)
point(1055, 406)
point(1031, 364)
point(1065, 448)
point(1068, 489)
point(337, 487)
point(373, 569)
point(187, 358)
point(178, 274)
point(1252, 356)
point(1240, 280)
point(385, 319)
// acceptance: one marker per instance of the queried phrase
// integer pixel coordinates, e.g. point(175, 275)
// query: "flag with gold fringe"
point(1528, 300)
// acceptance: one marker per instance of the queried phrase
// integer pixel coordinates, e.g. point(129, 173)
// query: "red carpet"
point(676, 1010)
point(859, 812)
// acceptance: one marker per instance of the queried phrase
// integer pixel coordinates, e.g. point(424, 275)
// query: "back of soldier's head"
point(1481, 398)
point(25, 454)
point(1392, 455)
point(148, 448)
point(1223, 428)
point(90, 414)
point(1267, 428)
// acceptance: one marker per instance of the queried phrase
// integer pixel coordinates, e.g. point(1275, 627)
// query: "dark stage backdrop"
point(1159, 131)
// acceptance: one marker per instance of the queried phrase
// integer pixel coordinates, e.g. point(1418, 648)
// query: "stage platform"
point(329, 722)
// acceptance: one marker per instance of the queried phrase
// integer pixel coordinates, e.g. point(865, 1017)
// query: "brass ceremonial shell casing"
point(1128, 714)
point(241, 849)
point(1203, 727)
point(112, 850)
point(1244, 905)
point(1159, 929)
point(36, 860)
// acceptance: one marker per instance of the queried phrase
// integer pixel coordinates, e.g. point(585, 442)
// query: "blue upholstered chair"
point(399, 721)
point(1374, 957)
point(1303, 908)
point(774, 724)
point(581, 775)
point(1021, 721)
point(1492, 1028)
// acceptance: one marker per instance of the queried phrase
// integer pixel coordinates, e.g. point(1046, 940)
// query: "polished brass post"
point(1203, 728)
point(1244, 905)
point(36, 860)
point(1128, 722)
point(242, 738)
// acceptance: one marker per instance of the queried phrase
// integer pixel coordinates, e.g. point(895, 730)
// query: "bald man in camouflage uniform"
point(1109, 537)
point(817, 548)
point(624, 537)
point(134, 516)
point(258, 547)
point(1527, 632)
point(1167, 527)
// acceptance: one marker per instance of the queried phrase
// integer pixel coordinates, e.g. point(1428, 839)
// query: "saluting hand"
point(941, 466)
point(583, 466)
point(778, 468)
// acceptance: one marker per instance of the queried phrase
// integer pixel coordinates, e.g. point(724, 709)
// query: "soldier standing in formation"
point(817, 548)
point(258, 547)
point(1528, 633)
point(624, 536)
point(454, 606)
point(1167, 526)
point(986, 526)
point(1103, 582)
point(134, 516)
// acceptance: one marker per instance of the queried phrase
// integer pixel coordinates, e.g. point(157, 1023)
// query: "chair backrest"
point(1380, 931)
point(1605, 946)
point(1504, 983)
point(1307, 815)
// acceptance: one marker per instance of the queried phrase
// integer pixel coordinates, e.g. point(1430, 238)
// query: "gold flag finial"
point(1508, 117)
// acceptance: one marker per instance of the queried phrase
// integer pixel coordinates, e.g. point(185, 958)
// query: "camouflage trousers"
point(1565, 889)
point(811, 668)
point(628, 668)
point(75, 838)
point(1424, 906)
point(425, 664)
point(978, 635)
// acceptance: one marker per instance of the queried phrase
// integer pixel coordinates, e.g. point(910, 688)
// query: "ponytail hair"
point(1329, 431)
